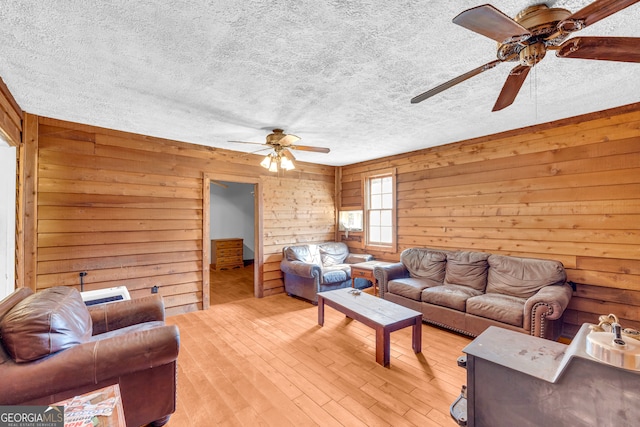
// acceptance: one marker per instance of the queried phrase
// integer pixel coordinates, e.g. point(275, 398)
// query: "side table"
point(365, 271)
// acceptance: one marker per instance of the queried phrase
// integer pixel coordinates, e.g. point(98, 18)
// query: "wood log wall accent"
point(567, 190)
point(10, 116)
point(128, 210)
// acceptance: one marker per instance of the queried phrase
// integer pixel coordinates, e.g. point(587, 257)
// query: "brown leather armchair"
point(53, 347)
point(312, 268)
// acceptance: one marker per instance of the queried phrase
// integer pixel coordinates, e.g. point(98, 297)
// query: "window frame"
point(366, 181)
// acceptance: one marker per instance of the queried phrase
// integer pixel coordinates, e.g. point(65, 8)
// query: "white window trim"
point(393, 247)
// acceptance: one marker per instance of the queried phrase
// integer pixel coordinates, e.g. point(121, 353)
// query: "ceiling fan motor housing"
point(542, 22)
point(532, 54)
point(276, 136)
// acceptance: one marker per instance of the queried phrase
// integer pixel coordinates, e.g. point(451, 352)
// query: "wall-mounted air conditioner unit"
point(101, 296)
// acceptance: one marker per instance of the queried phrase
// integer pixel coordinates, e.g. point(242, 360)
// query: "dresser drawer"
point(229, 244)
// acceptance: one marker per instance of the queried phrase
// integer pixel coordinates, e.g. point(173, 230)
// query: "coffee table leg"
point(320, 310)
point(383, 346)
point(417, 335)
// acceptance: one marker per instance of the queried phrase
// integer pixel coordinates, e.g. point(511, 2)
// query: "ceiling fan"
point(281, 144)
point(535, 30)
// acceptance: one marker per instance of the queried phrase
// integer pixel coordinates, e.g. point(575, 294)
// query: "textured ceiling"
point(337, 73)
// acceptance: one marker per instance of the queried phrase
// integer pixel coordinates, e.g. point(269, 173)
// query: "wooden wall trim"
point(259, 258)
point(11, 116)
point(206, 246)
point(258, 262)
point(30, 200)
point(20, 199)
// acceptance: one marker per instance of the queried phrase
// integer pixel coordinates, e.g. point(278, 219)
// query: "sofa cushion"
point(425, 263)
point(452, 296)
point(333, 253)
point(305, 253)
point(46, 322)
point(501, 308)
point(409, 287)
point(522, 277)
point(336, 273)
point(467, 269)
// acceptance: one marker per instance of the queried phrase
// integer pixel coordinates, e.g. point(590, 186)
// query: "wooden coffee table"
point(381, 315)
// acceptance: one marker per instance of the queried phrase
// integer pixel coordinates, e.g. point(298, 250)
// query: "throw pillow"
point(467, 269)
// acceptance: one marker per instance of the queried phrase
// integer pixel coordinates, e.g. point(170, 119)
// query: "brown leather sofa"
point(469, 291)
point(53, 348)
point(312, 268)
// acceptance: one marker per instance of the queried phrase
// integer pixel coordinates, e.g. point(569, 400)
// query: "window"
point(380, 193)
point(350, 220)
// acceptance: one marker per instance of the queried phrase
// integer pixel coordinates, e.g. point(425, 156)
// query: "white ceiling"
point(337, 73)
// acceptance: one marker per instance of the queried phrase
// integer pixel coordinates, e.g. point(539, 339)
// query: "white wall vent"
point(102, 296)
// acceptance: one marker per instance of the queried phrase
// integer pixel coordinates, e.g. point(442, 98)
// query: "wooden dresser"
point(226, 253)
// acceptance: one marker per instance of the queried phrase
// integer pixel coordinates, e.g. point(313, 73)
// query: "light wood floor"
point(266, 362)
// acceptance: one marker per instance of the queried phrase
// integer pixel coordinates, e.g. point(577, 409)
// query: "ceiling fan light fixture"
point(286, 164)
point(273, 166)
point(266, 162)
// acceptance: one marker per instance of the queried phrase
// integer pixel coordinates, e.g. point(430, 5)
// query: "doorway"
point(232, 216)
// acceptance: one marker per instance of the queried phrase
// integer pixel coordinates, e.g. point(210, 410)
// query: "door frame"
point(258, 288)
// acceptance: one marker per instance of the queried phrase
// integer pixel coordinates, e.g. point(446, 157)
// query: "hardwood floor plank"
point(266, 362)
point(316, 412)
point(311, 390)
point(344, 416)
point(386, 413)
point(420, 419)
point(393, 402)
point(363, 412)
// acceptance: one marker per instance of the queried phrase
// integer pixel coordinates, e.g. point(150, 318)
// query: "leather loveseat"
point(470, 291)
point(54, 348)
point(312, 268)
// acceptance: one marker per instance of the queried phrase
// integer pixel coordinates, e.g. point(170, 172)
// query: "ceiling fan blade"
point(593, 13)
point(511, 87)
point(309, 148)
point(247, 142)
point(288, 154)
point(261, 150)
point(490, 22)
point(622, 49)
point(288, 139)
point(444, 86)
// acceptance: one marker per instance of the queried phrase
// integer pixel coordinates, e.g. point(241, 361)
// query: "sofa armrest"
point(117, 315)
point(548, 303)
point(358, 258)
point(302, 269)
point(89, 363)
point(384, 274)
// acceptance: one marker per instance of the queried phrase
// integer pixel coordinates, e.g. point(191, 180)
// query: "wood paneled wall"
point(567, 190)
point(129, 210)
point(296, 212)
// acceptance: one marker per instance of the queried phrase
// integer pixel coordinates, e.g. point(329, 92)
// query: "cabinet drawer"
point(233, 252)
point(225, 244)
point(367, 274)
